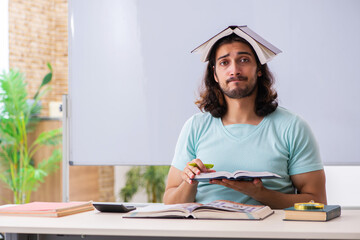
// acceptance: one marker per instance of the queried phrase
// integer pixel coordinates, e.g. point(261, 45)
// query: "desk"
point(96, 225)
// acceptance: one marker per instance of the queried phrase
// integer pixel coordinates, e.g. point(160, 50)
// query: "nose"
point(234, 69)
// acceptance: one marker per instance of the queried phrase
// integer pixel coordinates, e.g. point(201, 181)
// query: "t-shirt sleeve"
point(304, 153)
point(185, 147)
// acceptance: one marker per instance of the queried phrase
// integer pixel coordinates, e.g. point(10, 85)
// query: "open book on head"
point(264, 50)
point(237, 175)
point(220, 209)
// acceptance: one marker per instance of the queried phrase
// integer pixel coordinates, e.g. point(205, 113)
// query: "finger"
point(200, 165)
point(185, 176)
point(190, 172)
point(189, 167)
point(194, 170)
point(257, 182)
point(190, 181)
point(215, 181)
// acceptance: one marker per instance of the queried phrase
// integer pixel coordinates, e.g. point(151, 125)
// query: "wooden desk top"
point(95, 223)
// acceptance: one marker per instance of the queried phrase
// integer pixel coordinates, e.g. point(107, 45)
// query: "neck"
point(241, 111)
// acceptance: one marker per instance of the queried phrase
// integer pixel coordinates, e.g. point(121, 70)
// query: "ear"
point(215, 76)
point(259, 73)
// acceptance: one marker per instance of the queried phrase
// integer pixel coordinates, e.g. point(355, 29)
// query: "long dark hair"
point(212, 98)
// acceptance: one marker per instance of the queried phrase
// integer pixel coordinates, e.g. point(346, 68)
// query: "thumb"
point(257, 181)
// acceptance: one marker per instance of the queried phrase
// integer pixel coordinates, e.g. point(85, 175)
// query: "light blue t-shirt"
point(281, 143)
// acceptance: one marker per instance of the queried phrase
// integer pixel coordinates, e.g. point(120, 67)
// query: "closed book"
point(220, 209)
point(46, 209)
point(327, 213)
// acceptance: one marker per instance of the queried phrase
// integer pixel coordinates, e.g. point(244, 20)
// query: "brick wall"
point(106, 184)
point(38, 33)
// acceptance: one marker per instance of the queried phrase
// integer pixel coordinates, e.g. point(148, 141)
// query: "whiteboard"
point(133, 81)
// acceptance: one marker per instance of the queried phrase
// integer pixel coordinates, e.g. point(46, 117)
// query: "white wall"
point(4, 36)
point(342, 185)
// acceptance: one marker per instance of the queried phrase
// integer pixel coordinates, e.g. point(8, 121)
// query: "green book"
point(327, 213)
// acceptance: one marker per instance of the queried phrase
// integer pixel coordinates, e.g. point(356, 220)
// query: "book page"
point(157, 208)
point(214, 175)
point(254, 174)
point(232, 206)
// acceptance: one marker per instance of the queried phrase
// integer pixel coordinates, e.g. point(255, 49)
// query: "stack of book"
point(47, 209)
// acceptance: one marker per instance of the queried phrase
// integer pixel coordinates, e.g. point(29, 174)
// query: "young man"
point(243, 128)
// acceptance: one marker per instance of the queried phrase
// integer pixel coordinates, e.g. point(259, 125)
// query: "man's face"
point(236, 70)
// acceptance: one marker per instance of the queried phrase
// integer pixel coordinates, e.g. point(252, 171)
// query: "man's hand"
point(310, 186)
point(179, 188)
point(250, 188)
point(190, 171)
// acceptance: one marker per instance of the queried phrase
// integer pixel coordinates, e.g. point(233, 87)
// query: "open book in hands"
point(237, 175)
point(220, 209)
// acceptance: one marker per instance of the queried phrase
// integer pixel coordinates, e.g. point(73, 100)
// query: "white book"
point(264, 50)
point(237, 175)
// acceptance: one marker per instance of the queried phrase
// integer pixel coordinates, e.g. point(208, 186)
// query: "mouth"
point(237, 79)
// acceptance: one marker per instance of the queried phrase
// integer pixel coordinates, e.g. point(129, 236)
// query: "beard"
point(238, 92)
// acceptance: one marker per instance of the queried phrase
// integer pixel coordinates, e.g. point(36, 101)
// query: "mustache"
point(237, 78)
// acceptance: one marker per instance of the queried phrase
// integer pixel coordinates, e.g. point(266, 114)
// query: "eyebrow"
point(238, 53)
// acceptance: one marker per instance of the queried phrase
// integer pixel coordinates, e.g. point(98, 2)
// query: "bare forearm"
point(184, 193)
point(278, 200)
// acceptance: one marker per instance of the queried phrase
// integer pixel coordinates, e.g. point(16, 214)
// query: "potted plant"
point(18, 116)
point(152, 178)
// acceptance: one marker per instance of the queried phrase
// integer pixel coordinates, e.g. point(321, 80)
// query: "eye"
point(223, 63)
point(244, 60)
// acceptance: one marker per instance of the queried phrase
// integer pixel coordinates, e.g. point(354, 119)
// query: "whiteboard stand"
point(65, 146)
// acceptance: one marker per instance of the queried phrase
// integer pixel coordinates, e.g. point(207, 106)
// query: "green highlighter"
point(207, 165)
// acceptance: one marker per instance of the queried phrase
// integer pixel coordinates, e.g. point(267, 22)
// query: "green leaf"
point(49, 66)
point(46, 79)
point(52, 137)
point(14, 94)
point(50, 165)
point(133, 180)
point(40, 174)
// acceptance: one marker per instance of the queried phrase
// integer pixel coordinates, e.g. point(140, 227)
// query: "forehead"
point(234, 47)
